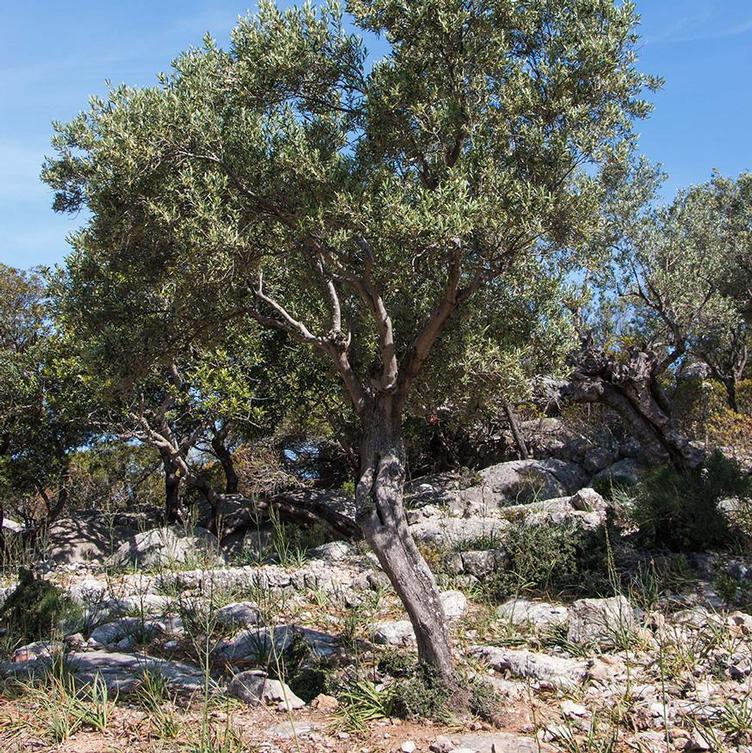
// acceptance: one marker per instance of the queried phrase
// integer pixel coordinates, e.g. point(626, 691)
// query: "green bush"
point(545, 558)
point(301, 669)
point(420, 696)
point(37, 610)
point(679, 510)
point(397, 663)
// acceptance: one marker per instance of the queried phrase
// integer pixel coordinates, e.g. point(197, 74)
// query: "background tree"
point(45, 403)
point(358, 207)
point(664, 298)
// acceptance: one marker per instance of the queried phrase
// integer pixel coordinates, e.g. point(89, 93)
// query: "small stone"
point(324, 702)
point(36, 650)
point(588, 500)
point(76, 640)
point(697, 742)
point(454, 603)
point(394, 633)
point(441, 745)
point(740, 624)
point(408, 746)
point(571, 709)
point(254, 686)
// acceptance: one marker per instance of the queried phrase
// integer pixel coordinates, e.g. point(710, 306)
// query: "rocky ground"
point(172, 648)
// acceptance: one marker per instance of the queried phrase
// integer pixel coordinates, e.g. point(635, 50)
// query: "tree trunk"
point(381, 516)
point(172, 491)
point(730, 384)
point(632, 389)
point(225, 458)
point(514, 425)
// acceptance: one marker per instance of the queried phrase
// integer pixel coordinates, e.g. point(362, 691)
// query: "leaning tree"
point(360, 204)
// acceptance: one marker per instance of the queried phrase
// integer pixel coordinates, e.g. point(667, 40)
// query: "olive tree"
point(724, 338)
point(360, 205)
point(668, 283)
point(45, 403)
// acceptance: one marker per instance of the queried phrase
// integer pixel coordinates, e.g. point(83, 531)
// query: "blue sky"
point(54, 55)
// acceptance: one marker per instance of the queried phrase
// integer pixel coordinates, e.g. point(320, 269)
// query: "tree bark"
point(309, 507)
point(225, 458)
point(172, 490)
point(631, 388)
point(381, 517)
point(730, 384)
point(514, 425)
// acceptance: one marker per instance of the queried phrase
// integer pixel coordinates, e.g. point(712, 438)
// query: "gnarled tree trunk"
point(631, 389)
point(381, 516)
point(514, 426)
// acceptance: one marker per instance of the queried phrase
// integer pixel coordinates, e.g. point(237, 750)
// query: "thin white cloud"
point(699, 29)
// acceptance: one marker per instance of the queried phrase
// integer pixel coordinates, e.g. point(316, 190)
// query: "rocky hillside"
point(569, 637)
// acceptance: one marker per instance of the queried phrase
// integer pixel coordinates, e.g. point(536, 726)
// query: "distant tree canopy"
point(45, 407)
point(666, 290)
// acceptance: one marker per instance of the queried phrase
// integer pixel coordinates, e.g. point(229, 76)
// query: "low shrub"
point(37, 610)
point(484, 701)
point(679, 510)
point(397, 663)
point(420, 696)
point(544, 558)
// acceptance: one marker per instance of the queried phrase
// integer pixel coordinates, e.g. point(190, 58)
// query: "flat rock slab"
point(121, 672)
point(252, 644)
point(539, 614)
point(500, 742)
point(164, 546)
point(291, 730)
point(448, 531)
point(522, 481)
point(555, 671)
point(600, 621)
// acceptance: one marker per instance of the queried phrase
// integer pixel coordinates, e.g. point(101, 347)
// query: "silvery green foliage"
point(675, 277)
point(470, 150)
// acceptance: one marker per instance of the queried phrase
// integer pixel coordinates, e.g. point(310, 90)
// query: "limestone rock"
point(624, 472)
point(332, 551)
point(37, 650)
point(239, 614)
point(86, 538)
point(112, 633)
point(588, 500)
point(164, 546)
point(552, 670)
point(500, 742)
point(523, 481)
point(257, 643)
point(393, 633)
point(599, 620)
point(120, 672)
point(454, 531)
point(254, 687)
point(540, 614)
point(454, 603)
